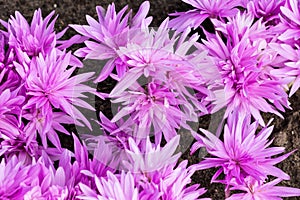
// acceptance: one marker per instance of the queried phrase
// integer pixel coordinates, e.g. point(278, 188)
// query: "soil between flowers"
point(286, 131)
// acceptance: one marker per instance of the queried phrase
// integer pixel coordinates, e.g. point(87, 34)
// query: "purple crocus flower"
point(83, 169)
point(151, 158)
point(242, 153)
point(50, 85)
point(25, 148)
point(124, 186)
point(29, 40)
point(149, 177)
point(259, 190)
point(290, 22)
point(116, 187)
point(113, 31)
point(175, 183)
point(46, 126)
point(290, 70)
point(245, 63)
point(14, 177)
point(47, 183)
point(168, 73)
point(114, 142)
point(203, 9)
point(34, 180)
point(156, 169)
point(10, 111)
point(155, 106)
point(267, 9)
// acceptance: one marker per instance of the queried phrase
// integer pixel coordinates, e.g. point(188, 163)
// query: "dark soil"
point(286, 131)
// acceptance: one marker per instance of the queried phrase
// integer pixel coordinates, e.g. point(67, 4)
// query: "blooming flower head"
point(259, 190)
point(155, 168)
point(290, 22)
point(243, 152)
point(83, 169)
point(152, 175)
point(203, 9)
point(10, 110)
point(29, 40)
point(13, 177)
point(46, 126)
point(151, 158)
point(290, 70)
point(113, 31)
point(22, 146)
point(116, 139)
point(113, 187)
point(50, 85)
point(48, 183)
point(34, 180)
point(245, 63)
point(155, 106)
point(157, 90)
point(176, 183)
point(268, 10)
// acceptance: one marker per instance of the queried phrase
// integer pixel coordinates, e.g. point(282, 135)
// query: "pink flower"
point(151, 158)
point(14, 177)
point(158, 173)
point(22, 146)
point(204, 9)
point(290, 70)
point(158, 89)
point(290, 22)
point(245, 63)
point(47, 183)
point(152, 174)
point(29, 40)
point(155, 106)
point(242, 153)
point(113, 187)
point(268, 10)
point(46, 126)
point(10, 111)
point(259, 190)
point(113, 31)
point(50, 85)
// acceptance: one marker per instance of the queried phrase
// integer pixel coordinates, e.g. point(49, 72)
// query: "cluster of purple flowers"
point(167, 77)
